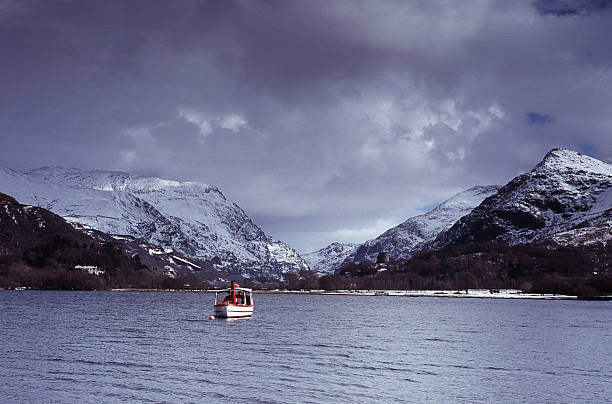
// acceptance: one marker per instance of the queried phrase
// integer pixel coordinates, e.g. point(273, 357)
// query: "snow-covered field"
point(472, 293)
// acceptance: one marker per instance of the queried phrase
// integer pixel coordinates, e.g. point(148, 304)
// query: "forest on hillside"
point(51, 266)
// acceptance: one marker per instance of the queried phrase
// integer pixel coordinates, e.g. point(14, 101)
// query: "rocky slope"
point(327, 259)
point(23, 227)
point(161, 260)
point(565, 200)
point(409, 237)
point(195, 219)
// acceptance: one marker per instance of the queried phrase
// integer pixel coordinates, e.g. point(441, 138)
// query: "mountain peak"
point(564, 160)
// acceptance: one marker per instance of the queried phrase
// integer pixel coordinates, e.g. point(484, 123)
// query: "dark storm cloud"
point(324, 120)
point(571, 7)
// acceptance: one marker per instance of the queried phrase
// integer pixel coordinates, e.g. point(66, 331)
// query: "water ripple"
point(160, 347)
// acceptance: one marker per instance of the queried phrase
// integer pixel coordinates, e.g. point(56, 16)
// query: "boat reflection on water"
point(236, 320)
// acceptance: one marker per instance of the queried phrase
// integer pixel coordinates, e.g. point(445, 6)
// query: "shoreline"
point(472, 293)
point(458, 294)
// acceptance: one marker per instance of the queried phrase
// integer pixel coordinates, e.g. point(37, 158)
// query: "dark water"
point(160, 347)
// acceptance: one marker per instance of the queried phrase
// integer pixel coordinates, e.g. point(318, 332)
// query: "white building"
point(92, 269)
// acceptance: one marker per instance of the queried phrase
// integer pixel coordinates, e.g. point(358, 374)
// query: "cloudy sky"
point(324, 120)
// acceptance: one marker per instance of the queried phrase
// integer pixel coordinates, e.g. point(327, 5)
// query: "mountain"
point(327, 259)
point(409, 237)
point(192, 218)
point(565, 200)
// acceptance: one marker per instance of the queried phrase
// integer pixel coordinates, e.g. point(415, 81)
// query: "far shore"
point(469, 294)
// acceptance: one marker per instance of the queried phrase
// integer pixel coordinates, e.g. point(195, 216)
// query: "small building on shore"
point(92, 269)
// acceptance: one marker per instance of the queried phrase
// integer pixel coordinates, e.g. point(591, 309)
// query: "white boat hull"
point(233, 311)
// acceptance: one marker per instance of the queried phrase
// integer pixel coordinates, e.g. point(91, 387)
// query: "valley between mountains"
point(561, 208)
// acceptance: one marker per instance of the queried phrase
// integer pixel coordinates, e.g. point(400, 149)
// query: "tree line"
point(50, 266)
point(582, 271)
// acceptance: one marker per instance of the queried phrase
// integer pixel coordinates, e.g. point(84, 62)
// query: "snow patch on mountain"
point(328, 259)
point(409, 237)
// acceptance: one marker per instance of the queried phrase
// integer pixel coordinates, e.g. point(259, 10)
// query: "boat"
point(234, 302)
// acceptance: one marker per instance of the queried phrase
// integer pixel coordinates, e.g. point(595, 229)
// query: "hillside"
point(39, 249)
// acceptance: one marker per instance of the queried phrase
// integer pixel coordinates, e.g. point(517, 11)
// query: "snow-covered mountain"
point(565, 200)
point(327, 259)
point(409, 237)
point(193, 218)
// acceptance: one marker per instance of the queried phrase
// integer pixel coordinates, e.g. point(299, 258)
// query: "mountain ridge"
point(193, 218)
point(404, 240)
point(325, 260)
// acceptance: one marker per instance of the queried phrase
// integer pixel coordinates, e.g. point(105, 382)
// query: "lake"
point(160, 347)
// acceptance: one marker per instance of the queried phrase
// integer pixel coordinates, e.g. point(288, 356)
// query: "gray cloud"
point(324, 120)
